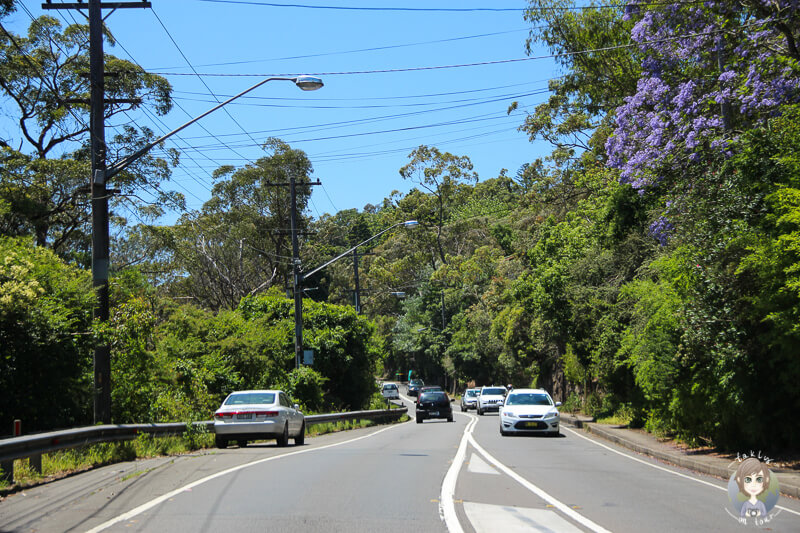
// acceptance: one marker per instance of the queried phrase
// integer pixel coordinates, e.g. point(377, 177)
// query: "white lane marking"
point(152, 503)
point(632, 458)
point(447, 507)
point(490, 518)
point(479, 466)
point(539, 492)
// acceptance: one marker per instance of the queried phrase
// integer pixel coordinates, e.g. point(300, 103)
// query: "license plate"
point(245, 416)
point(434, 413)
point(532, 424)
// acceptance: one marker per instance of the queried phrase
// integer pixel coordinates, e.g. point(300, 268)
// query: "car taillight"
point(220, 416)
point(265, 413)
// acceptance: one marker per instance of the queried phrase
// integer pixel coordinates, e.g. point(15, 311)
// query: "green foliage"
point(45, 332)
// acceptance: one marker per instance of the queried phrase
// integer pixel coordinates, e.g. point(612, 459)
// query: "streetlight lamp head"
point(410, 223)
point(308, 83)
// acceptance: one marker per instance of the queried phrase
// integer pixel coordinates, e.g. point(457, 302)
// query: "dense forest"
point(649, 268)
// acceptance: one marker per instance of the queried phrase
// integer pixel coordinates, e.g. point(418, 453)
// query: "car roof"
point(493, 387)
point(528, 391)
point(274, 391)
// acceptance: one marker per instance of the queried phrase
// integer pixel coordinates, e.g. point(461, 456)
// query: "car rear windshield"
point(494, 392)
point(251, 397)
point(391, 386)
point(432, 396)
point(529, 399)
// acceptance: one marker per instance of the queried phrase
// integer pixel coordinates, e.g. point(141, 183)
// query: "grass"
point(60, 464)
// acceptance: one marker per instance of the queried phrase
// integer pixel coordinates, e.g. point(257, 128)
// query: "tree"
point(239, 243)
point(441, 174)
point(591, 44)
point(44, 189)
point(45, 331)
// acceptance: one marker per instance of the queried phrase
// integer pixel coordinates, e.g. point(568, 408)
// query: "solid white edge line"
point(539, 492)
point(152, 503)
point(447, 506)
point(632, 458)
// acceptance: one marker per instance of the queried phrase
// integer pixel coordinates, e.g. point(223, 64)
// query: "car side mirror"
point(558, 404)
point(297, 406)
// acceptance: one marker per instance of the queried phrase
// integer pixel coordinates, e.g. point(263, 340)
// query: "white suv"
point(491, 399)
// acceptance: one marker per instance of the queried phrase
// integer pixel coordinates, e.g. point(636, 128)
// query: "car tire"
point(242, 443)
point(450, 418)
point(463, 409)
point(221, 443)
point(556, 433)
point(419, 420)
point(283, 439)
point(480, 411)
point(503, 433)
point(300, 439)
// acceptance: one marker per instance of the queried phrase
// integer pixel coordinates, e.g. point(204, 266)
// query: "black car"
point(434, 404)
point(413, 387)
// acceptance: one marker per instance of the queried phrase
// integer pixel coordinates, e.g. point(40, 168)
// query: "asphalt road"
point(434, 477)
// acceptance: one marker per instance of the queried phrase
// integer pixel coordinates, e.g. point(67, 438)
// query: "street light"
point(299, 277)
point(100, 230)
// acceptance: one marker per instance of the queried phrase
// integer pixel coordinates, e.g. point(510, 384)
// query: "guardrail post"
point(34, 461)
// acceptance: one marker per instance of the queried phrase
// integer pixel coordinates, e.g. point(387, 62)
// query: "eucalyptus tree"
point(443, 176)
point(239, 242)
point(46, 176)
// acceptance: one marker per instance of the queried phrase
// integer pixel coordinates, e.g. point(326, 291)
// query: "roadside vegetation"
point(648, 270)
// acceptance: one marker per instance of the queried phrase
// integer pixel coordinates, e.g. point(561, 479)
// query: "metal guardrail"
point(34, 445)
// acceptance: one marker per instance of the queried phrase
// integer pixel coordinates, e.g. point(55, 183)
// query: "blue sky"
point(384, 93)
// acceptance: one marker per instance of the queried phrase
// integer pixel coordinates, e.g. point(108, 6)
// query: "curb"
point(789, 485)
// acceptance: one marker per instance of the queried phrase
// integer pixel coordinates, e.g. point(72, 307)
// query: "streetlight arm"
point(311, 273)
point(128, 160)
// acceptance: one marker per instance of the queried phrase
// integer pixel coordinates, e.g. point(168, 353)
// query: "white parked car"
point(390, 391)
point(258, 415)
point(529, 411)
point(490, 399)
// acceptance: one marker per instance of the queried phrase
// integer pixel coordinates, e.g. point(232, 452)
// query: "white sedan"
point(529, 411)
point(258, 415)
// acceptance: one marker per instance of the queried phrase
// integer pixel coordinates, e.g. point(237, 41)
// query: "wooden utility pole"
point(100, 225)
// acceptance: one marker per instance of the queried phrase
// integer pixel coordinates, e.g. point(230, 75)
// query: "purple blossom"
point(677, 108)
point(661, 229)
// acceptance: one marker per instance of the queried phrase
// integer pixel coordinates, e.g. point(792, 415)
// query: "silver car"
point(258, 415)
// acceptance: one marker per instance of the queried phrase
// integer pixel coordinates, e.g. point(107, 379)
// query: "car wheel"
point(480, 411)
point(283, 439)
point(462, 409)
point(242, 443)
point(503, 432)
point(450, 418)
point(300, 439)
point(220, 442)
point(419, 420)
point(555, 433)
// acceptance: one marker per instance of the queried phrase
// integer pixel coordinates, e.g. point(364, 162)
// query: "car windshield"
point(472, 393)
point(432, 396)
point(415, 382)
point(251, 397)
point(529, 399)
point(494, 391)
